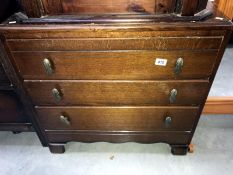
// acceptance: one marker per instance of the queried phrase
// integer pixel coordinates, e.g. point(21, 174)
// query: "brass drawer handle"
point(65, 120)
point(173, 95)
point(168, 121)
point(48, 65)
point(57, 94)
point(179, 66)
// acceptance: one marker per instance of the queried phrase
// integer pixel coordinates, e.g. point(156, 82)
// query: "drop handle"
point(57, 95)
point(48, 65)
point(168, 121)
point(179, 66)
point(65, 120)
point(173, 95)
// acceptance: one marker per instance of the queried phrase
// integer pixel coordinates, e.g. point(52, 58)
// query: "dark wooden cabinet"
point(114, 78)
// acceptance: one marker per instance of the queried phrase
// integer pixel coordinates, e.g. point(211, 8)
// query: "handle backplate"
point(65, 120)
point(48, 65)
point(179, 66)
point(168, 121)
point(57, 94)
point(173, 95)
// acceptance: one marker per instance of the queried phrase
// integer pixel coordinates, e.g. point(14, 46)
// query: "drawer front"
point(91, 44)
point(11, 111)
point(118, 118)
point(117, 92)
point(120, 137)
point(137, 65)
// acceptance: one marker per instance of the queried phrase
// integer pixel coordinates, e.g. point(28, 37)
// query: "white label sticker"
point(160, 62)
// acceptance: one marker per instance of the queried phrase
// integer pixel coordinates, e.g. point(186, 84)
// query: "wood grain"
point(32, 8)
point(226, 7)
point(218, 105)
point(119, 137)
point(150, 43)
point(118, 118)
point(189, 7)
point(64, 7)
point(117, 92)
point(130, 65)
point(54, 7)
point(98, 31)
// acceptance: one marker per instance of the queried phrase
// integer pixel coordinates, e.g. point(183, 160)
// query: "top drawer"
point(115, 65)
point(95, 44)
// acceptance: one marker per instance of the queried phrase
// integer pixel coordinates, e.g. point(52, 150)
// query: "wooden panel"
point(32, 8)
point(128, 31)
point(16, 127)
point(118, 118)
point(150, 43)
point(115, 65)
point(189, 7)
point(117, 92)
point(3, 78)
point(120, 137)
point(10, 109)
point(108, 6)
point(219, 105)
point(55, 7)
point(52, 6)
point(226, 6)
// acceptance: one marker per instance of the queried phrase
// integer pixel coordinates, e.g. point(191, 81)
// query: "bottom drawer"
point(120, 137)
point(118, 118)
point(11, 111)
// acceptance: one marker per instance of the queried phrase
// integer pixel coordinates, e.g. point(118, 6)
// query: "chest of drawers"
point(123, 82)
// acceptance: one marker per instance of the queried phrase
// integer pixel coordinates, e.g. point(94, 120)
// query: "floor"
point(213, 140)
point(223, 84)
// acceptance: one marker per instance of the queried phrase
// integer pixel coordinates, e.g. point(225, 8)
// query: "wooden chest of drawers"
point(144, 82)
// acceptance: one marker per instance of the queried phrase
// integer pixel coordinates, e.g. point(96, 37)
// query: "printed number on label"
point(160, 62)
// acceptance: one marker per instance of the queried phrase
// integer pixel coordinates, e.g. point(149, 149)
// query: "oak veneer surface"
point(118, 118)
point(181, 138)
point(117, 92)
point(150, 43)
point(123, 65)
point(226, 7)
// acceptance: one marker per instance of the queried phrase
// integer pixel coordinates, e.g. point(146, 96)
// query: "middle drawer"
point(108, 93)
point(118, 65)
